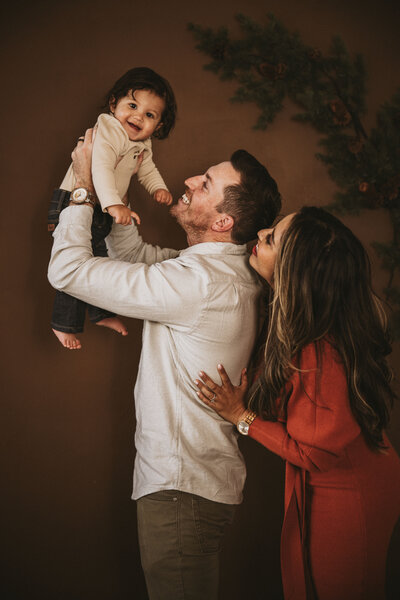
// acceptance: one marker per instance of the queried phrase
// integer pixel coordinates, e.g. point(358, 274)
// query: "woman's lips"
point(254, 251)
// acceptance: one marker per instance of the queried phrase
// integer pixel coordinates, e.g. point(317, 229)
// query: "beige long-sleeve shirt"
point(199, 308)
point(115, 159)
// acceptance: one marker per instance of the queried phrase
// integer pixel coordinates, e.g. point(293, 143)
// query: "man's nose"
point(193, 182)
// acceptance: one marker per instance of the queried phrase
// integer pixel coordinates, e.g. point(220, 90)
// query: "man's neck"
point(197, 237)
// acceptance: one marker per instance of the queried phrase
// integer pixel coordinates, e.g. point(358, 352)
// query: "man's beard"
point(193, 227)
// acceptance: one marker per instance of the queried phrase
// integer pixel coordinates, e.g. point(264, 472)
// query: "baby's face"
point(139, 113)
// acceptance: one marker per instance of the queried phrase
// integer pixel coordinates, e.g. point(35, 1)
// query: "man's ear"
point(223, 223)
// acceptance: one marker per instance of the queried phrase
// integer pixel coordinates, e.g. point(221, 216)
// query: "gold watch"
point(245, 422)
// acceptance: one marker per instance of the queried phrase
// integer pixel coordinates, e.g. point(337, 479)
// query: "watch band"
point(249, 418)
point(88, 201)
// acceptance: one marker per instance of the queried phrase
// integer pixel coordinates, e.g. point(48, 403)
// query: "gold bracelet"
point(249, 418)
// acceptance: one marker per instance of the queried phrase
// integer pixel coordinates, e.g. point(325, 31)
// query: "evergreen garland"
point(270, 63)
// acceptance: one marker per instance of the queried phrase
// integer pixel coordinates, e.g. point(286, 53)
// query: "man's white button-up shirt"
point(199, 308)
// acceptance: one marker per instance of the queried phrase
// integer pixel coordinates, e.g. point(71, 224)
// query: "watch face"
point(243, 427)
point(79, 195)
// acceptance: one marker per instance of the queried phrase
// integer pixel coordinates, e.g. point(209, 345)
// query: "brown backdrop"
point(68, 524)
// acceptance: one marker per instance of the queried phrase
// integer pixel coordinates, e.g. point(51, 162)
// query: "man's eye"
point(205, 185)
point(268, 239)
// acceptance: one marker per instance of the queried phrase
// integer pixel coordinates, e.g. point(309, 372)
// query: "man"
point(199, 308)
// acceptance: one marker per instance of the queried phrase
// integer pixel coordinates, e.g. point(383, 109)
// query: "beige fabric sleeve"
point(148, 174)
point(110, 143)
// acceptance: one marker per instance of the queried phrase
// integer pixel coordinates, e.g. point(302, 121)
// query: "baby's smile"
point(134, 126)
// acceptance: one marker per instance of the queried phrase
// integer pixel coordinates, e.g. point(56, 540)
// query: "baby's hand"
point(163, 197)
point(123, 215)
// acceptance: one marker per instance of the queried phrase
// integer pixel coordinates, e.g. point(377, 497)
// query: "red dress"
point(342, 499)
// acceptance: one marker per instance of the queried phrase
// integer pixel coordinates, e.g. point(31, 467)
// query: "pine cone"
point(341, 114)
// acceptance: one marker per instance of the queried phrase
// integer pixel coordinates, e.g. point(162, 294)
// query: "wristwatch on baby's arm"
point(81, 195)
point(245, 421)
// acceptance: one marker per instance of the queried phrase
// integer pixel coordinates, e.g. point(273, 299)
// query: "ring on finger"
point(212, 399)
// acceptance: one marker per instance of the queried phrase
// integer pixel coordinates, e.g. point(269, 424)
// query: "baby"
point(141, 104)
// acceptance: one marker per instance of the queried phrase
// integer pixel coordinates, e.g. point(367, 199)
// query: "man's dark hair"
point(255, 202)
point(142, 78)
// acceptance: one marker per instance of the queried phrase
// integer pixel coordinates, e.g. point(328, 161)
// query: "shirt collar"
point(215, 248)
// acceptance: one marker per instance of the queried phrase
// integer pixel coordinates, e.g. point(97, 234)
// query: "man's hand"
point(123, 215)
point(163, 197)
point(82, 161)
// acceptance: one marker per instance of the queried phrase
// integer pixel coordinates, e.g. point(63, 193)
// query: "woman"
point(321, 401)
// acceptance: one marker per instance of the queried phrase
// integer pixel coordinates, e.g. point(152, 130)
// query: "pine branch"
point(271, 64)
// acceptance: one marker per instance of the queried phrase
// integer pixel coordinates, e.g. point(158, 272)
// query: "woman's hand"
point(226, 399)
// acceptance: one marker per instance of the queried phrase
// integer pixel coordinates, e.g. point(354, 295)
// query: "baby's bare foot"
point(114, 323)
point(68, 340)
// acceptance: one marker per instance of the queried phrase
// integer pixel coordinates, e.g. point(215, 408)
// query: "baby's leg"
point(68, 319)
point(68, 313)
point(101, 227)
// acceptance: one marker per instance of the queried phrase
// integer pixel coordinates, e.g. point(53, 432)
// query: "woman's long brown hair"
point(322, 289)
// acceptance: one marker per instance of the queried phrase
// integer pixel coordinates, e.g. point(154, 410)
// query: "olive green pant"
point(180, 538)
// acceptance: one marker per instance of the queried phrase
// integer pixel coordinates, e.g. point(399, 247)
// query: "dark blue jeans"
point(69, 312)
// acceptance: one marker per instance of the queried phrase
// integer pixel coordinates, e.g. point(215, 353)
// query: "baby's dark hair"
point(142, 78)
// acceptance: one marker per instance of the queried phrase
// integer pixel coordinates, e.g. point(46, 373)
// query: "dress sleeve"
point(110, 143)
point(319, 423)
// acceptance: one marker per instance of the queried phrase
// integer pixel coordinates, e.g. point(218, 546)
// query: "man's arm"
point(166, 292)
